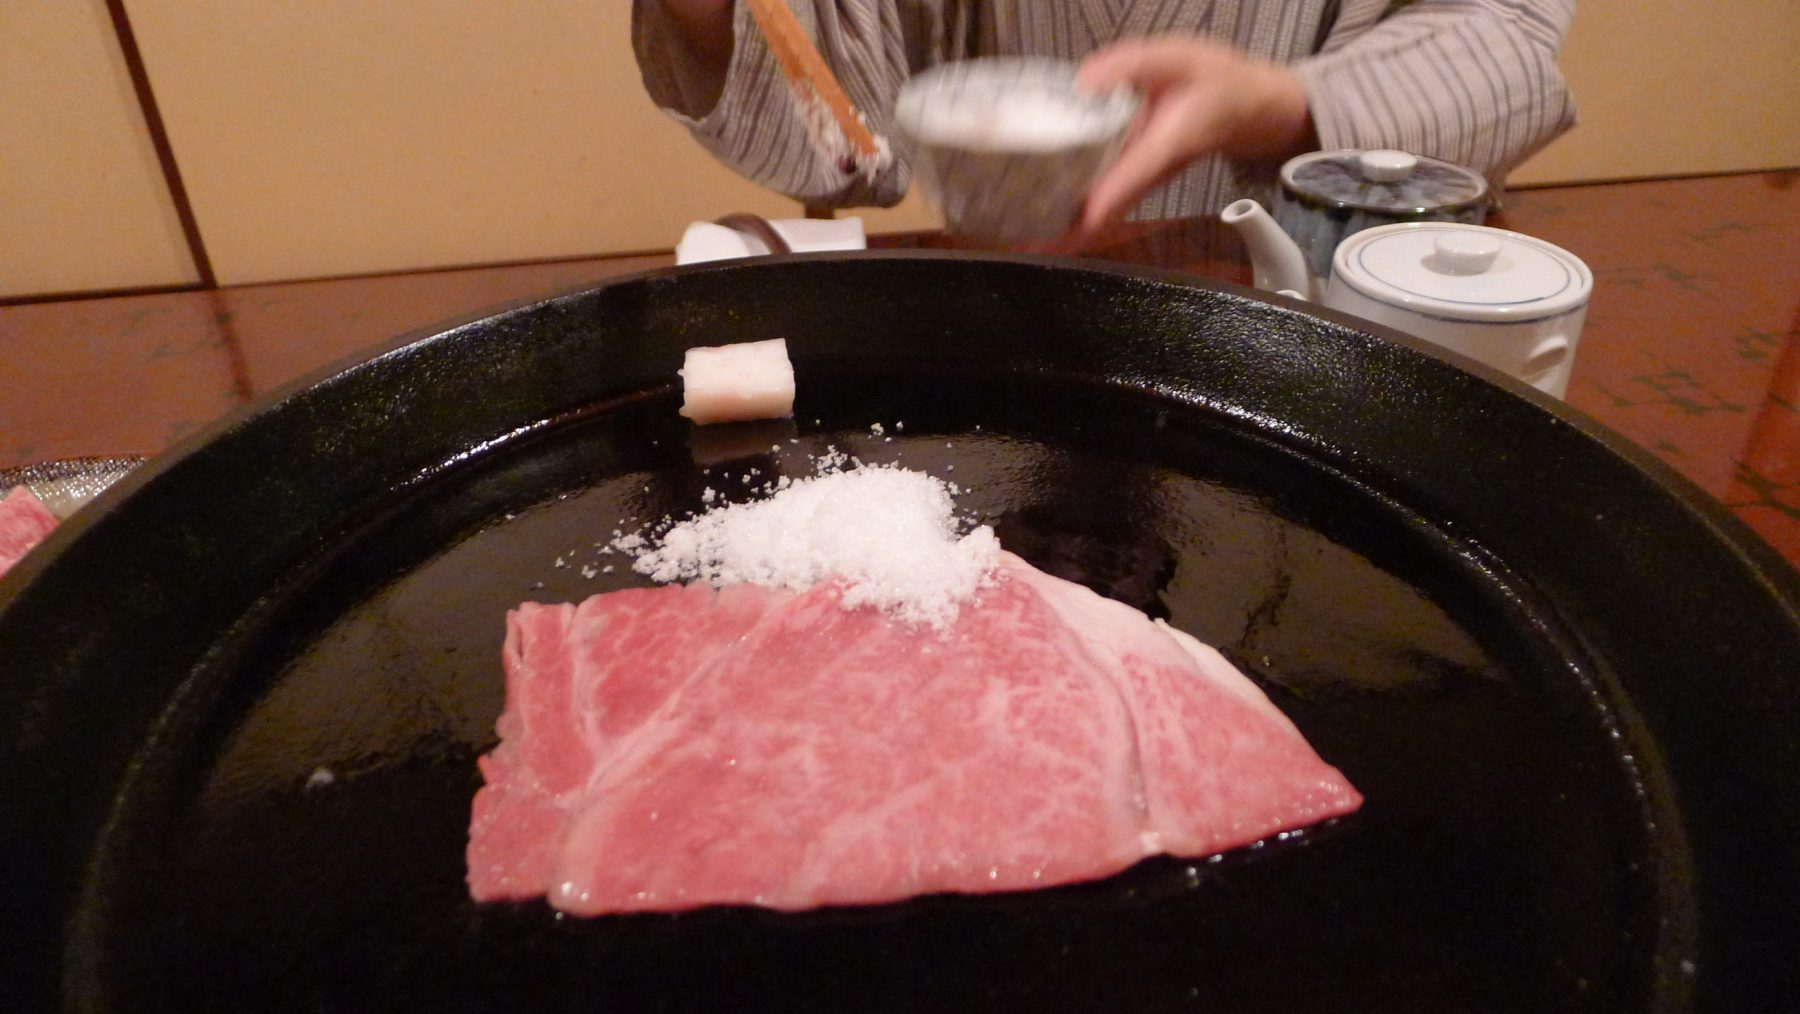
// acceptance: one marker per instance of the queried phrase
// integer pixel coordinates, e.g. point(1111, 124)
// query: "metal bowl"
point(1008, 147)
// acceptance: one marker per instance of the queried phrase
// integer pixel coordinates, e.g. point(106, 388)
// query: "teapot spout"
point(1275, 260)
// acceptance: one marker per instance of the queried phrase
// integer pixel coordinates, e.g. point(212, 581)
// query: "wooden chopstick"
point(804, 68)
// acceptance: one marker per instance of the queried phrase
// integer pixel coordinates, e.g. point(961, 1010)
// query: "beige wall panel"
point(83, 204)
point(1672, 87)
point(331, 137)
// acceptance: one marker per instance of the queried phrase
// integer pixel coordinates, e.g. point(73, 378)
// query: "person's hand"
point(1200, 97)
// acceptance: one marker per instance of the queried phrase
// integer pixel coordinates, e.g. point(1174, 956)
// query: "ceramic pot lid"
point(1463, 272)
point(1383, 180)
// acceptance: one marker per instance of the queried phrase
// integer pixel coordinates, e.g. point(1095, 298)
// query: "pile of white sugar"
point(1023, 120)
point(889, 534)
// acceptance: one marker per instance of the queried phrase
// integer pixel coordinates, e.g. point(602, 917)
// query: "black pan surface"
point(241, 695)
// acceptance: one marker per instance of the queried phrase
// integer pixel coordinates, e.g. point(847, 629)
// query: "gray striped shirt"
point(1470, 81)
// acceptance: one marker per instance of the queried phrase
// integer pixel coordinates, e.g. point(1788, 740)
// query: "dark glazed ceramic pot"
point(1326, 196)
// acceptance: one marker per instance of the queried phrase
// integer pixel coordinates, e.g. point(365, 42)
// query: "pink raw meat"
point(24, 522)
point(676, 747)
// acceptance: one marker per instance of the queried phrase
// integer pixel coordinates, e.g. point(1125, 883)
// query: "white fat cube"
point(727, 383)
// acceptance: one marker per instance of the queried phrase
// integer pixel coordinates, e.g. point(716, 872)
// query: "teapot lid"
point(1463, 272)
point(1383, 180)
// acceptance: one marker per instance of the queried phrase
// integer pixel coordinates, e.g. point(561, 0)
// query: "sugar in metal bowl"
point(1008, 147)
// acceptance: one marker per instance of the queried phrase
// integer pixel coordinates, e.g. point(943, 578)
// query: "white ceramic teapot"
point(1507, 300)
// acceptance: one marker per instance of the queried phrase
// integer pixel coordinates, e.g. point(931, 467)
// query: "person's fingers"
point(1174, 134)
point(1200, 95)
point(1150, 64)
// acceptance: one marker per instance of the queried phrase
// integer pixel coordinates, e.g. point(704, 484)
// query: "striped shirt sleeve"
point(756, 127)
point(1470, 81)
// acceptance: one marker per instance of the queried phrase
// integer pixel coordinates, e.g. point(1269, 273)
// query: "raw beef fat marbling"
point(683, 746)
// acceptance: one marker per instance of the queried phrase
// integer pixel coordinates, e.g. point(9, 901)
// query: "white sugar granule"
point(1024, 119)
point(829, 139)
point(890, 534)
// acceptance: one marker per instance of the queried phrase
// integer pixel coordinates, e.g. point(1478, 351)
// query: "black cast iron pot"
point(242, 694)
